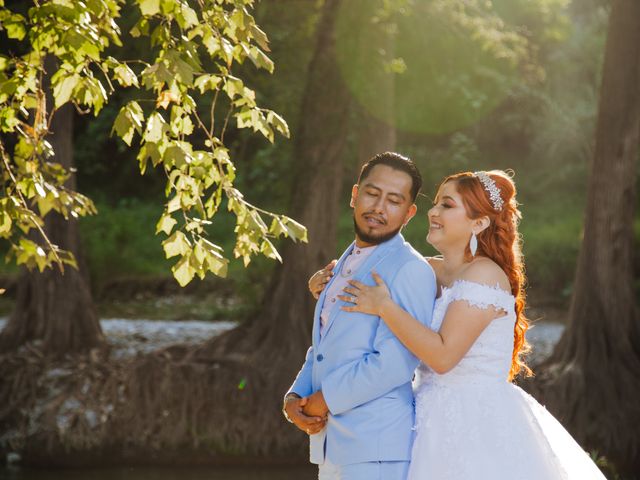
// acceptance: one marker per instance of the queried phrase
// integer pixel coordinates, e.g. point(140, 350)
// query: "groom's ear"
point(413, 209)
point(354, 195)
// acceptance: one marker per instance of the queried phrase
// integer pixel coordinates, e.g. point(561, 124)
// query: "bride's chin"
point(430, 241)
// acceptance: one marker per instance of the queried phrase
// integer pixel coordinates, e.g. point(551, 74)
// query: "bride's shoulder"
point(486, 272)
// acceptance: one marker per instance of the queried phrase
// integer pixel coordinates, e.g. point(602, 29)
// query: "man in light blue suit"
point(353, 394)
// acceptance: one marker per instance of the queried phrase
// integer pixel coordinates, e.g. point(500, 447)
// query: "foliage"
point(193, 47)
point(452, 61)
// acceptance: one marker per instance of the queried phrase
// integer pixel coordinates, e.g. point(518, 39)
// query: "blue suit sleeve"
point(302, 384)
point(390, 364)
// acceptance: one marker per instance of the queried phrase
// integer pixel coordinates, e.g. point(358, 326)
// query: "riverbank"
point(149, 398)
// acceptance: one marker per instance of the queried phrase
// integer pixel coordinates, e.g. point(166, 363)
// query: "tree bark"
point(53, 308)
point(377, 134)
point(592, 380)
point(287, 309)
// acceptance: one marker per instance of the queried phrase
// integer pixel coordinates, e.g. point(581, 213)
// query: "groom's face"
point(382, 204)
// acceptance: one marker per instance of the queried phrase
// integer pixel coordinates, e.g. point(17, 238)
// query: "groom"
point(353, 394)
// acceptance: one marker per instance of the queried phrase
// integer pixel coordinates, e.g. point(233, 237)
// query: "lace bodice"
point(490, 356)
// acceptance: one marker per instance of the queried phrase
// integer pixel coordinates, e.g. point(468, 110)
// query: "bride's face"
point(449, 226)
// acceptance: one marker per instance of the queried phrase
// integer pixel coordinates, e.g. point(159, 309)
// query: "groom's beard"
point(373, 239)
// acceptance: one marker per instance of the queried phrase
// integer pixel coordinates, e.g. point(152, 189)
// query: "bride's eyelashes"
point(443, 204)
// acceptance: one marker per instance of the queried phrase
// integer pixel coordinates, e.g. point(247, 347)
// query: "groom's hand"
point(316, 406)
point(309, 424)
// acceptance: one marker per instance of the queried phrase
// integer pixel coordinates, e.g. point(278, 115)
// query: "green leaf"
point(62, 90)
point(176, 244)
point(217, 264)
point(186, 16)
point(260, 37)
point(296, 231)
point(183, 271)
point(128, 121)
point(5, 224)
point(260, 59)
point(125, 76)
point(233, 86)
point(15, 29)
point(179, 67)
point(278, 228)
point(207, 82)
point(269, 251)
point(149, 7)
point(166, 224)
point(279, 123)
point(123, 126)
point(155, 128)
point(44, 206)
point(174, 204)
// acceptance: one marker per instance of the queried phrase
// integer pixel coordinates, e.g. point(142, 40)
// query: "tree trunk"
point(53, 308)
point(288, 307)
point(377, 134)
point(374, 136)
point(592, 380)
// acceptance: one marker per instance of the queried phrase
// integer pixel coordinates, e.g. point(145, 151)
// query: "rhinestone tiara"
point(491, 188)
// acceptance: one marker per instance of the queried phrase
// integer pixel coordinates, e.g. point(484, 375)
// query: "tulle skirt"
point(491, 430)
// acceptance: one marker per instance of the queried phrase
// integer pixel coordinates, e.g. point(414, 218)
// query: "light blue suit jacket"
point(363, 370)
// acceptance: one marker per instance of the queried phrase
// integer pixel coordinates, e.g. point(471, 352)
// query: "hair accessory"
point(491, 188)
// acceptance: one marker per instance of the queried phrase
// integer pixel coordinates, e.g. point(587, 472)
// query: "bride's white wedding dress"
point(471, 423)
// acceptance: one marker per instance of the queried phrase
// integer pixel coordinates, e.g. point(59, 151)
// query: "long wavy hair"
point(502, 243)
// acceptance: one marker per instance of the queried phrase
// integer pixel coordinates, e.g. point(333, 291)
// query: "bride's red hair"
point(502, 243)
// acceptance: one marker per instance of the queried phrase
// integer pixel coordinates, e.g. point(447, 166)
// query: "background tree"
point(591, 379)
point(56, 307)
point(192, 50)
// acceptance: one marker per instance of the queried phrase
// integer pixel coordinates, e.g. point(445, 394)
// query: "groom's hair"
point(397, 162)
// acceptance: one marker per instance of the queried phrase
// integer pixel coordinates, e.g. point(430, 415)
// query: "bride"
point(471, 421)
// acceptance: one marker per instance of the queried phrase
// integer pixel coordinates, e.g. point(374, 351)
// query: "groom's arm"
point(390, 364)
point(302, 384)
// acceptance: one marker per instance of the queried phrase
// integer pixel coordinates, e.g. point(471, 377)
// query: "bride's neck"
point(452, 262)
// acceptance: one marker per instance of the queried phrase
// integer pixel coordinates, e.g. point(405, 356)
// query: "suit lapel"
point(376, 257)
point(320, 302)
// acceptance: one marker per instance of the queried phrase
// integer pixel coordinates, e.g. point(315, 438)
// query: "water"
point(128, 337)
point(162, 473)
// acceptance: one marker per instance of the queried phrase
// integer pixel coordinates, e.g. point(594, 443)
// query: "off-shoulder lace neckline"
point(460, 281)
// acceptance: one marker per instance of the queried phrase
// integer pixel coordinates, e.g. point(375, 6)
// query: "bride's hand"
point(319, 280)
point(364, 298)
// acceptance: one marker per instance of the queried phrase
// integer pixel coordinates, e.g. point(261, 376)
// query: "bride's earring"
point(473, 244)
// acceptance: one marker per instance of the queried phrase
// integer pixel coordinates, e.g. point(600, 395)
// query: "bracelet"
point(287, 397)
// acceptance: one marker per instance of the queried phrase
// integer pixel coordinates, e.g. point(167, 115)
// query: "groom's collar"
point(394, 241)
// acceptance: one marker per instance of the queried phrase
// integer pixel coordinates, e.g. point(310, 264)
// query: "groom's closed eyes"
point(394, 198)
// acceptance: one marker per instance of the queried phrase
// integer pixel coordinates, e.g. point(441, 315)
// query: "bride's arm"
point(441, 350)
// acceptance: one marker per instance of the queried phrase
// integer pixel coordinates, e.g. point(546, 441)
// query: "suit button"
point(320, 357)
